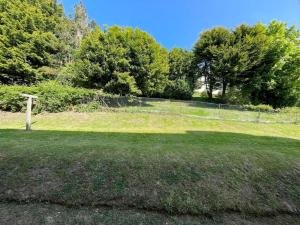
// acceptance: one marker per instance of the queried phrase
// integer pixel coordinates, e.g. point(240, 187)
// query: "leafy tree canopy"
point(182, 75)
point(29, 38)
point(117, 50)
point(261, 61)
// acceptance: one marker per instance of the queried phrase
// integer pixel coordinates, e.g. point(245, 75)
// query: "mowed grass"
point(211, 111)
point(164, 163)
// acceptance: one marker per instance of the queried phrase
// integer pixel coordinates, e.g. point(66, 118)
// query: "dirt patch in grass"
point(50, 214)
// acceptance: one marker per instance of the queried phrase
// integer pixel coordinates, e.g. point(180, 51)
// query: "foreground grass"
point(49, 214)
point(164, 163)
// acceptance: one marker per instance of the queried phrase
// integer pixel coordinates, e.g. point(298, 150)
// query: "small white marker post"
point(28, 111)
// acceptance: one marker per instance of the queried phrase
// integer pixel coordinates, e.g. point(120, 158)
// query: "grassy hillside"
point(151, 162)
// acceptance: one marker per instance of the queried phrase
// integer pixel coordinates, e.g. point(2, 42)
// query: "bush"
point(123, 84)
point(11, 100)
point(93, 106)
point(53, 97)
point(261, 108)
point(236, 97)
point(178, 89)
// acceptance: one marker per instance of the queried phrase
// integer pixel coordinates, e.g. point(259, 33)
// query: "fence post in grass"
point(28, 110)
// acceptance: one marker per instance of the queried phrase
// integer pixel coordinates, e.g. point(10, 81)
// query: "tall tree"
point(81, 23)
point(271, 73)
point(183, 74)
point(28, 39)
point(216, 57)
point(261, 61)
point(105, 55)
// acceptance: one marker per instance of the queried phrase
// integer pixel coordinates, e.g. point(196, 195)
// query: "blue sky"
point(178, 23)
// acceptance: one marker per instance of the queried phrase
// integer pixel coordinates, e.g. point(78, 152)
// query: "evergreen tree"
point(29, 41)
point(81, 21)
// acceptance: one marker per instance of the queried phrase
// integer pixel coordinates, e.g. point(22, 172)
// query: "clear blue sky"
point(178, 23)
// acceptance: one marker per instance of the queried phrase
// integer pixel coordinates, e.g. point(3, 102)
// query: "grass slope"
point(154, 162)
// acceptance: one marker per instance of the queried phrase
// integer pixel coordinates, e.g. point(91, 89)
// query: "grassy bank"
point(170, 164)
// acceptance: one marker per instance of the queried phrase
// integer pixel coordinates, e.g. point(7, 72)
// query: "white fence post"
point(28, 110)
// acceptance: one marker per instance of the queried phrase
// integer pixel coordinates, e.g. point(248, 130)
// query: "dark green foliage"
point(262, 62)
point(256, 64)
point(276, 80)
point(122, 84)
point(182, 76)
point(178, 89)
point(259, 108)
point(52, 97)
point(37, 39)
point(28, 39)
point(103, 54)
point(215, 54)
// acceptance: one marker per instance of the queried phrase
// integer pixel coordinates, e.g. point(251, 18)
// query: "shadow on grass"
point(192, 173)
point(148, 142)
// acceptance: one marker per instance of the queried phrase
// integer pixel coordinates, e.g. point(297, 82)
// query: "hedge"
point(52, 97)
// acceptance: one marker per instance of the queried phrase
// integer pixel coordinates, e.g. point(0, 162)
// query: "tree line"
point(258, 64)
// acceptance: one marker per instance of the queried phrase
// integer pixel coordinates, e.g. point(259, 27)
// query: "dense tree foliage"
point(29, 39)
point(182, 75)
point(37, 39)
point(260, 61)
point(120, 55)
point(275, 78)
point(72, 31)
point(257, 64)
point(216, 55)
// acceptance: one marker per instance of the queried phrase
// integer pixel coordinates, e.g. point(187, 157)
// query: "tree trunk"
point(209, 86)
point(224, 88)
point(210, 91)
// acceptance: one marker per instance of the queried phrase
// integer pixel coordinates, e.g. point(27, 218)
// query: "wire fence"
point(201, 110)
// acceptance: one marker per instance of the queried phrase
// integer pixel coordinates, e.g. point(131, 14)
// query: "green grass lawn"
point(209, 111)
point(167, 164)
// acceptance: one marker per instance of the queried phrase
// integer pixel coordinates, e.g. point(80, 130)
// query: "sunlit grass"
point(211, 111)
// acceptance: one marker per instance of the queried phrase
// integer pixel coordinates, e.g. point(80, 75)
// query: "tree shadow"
point(121, 102)
point(223, 170)
point(147, 142)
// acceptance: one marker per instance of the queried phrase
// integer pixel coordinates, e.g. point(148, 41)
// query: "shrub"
point(236, 97)
point(262, 108)
point(178, 89)
point(93, 106)
point(123, 84)
point(10, 98)
point(53, 97)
